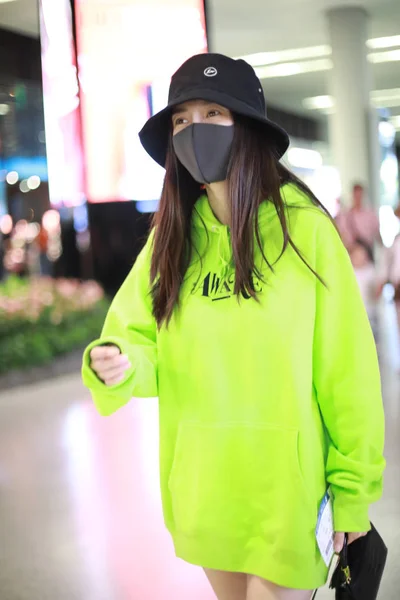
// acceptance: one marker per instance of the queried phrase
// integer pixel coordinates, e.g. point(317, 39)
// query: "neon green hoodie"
point(262, 404)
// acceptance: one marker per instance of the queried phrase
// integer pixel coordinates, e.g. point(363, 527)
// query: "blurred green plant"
point(42, 318)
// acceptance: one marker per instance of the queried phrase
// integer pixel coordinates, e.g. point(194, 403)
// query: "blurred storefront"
point(24, 196)
point(77, 191)
point(124, 79)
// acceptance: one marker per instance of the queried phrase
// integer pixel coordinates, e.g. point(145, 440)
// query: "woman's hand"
point(352, 537)
point(109, 364)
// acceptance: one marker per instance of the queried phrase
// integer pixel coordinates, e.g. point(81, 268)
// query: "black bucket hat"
point(215, 78)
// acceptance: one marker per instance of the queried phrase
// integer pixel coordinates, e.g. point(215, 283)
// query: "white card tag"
point(324, 530)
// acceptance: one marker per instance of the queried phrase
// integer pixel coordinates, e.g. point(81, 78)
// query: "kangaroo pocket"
point(236, 479)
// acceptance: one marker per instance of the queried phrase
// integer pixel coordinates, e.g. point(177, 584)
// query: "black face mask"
point(205, 150)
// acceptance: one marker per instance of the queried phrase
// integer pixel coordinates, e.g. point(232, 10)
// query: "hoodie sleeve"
point(347, 382)
point(130, 325)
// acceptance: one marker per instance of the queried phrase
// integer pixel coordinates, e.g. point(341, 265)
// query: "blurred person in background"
point(360, 222)
point(389, 271)
point(360, 233)
point(243, 314)
point(362, 259)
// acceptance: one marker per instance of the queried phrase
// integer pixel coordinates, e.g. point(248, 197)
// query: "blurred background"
point(78, 79)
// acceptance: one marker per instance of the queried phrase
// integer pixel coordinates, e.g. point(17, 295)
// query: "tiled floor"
point(80, 515)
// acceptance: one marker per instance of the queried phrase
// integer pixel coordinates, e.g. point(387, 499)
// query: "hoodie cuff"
point(349, 517)
point(90, 378)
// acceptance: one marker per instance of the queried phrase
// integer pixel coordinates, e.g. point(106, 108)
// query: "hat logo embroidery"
point(210, 72)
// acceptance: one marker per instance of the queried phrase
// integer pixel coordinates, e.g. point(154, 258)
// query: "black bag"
point(360, 568)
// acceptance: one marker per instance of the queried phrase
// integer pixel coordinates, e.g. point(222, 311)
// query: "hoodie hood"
point(213, 239)
point(203, 216)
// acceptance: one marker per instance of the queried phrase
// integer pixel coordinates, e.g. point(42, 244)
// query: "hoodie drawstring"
point(224, 249)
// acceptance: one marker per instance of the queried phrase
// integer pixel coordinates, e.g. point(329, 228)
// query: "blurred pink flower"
point(29, 298)
point(56, 317)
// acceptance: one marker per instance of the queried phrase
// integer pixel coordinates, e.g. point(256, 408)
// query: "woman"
point(243, 314)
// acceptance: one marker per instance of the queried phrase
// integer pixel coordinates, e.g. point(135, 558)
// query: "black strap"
point(314, 595)
point(344, 557)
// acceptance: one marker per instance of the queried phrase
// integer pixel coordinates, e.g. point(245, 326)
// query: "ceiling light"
point(384, 42)
point(294, 68)
point(304, 159)
point(4, 109)
point(379, 98)
point(381, 57)
point(262, 59)
point(282, 70)
point(389, 94)
point(318, 102)
point(284, 63)
point(386, 98)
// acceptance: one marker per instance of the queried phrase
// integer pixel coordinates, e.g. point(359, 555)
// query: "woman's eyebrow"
point(178, 110)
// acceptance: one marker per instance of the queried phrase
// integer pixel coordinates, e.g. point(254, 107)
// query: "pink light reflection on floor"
point(114, 485)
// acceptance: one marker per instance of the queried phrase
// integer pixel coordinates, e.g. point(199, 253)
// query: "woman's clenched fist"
point(109, 364)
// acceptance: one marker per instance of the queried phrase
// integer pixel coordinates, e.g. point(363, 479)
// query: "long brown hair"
point(254, 175)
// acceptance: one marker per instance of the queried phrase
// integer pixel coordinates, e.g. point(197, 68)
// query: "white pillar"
point(354, 139)
point(375, 157)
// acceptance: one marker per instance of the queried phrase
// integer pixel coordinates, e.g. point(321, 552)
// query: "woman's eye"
point(213, 113)
point(179, 121)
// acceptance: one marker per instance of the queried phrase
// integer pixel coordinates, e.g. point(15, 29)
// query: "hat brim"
point(155, 133)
